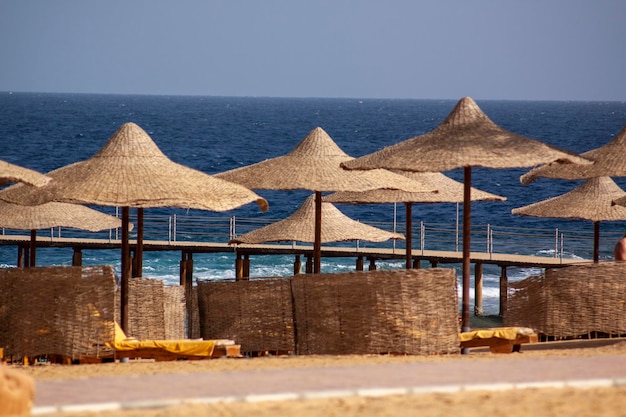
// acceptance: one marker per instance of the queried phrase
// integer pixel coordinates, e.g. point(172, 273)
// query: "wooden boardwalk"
point(243, 252)
point(433, 256)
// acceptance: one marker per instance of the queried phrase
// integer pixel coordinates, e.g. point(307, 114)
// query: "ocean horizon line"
point(218, 96)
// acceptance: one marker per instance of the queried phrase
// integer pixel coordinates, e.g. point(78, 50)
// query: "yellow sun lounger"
point(499, 339)
point(162, 350)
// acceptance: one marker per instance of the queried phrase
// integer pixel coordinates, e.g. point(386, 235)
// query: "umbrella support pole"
point(596, 242)
point(467, 198)
point(125, 275)
point(138, 261)
point(33, 248)
point(317, 245)
point(409, 235)
point(478, 289)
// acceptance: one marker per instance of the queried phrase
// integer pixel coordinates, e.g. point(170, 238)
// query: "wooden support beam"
point(182, 267)
point(309, 265)
point(478, 289)
point(246, 266)
point(433, 263)
point(20, 256)
point(297, 266)
point(77, 257)
point(359, 263)
point(238, 267)
point(417, 264)
point(189, 271)
point(504, 285)
point(372, 266)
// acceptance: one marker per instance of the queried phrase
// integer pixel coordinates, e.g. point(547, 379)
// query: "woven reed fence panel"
point(66, 311)
point(256, 314)
point(399, 311)
point(193, 315)
point(146, 310)
point(155, 310)
point(571, 301)
point(174, 311)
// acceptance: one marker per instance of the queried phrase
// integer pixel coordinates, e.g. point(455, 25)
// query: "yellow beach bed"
point(498, 339)
point(169, 350)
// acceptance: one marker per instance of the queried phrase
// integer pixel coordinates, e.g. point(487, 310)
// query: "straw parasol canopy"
point(48, 215)
point(466, 138)
point(336, 227)
point(448, 191)
point(131, 171)
point(45, 216)
point(314, 164)
point(13, 173)
point(592, 200)
point(608, 160)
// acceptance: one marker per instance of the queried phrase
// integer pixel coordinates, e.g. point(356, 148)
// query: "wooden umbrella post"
point(125, 275)
point(33, 248)
point(409, 234)
point(596, 242)
point(317, 244)
point(467, 198)
point(138, 271)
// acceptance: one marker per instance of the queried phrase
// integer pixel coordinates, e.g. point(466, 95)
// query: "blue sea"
point(214, 134)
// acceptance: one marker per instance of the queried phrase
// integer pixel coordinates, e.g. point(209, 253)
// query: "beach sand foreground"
point(512, 403)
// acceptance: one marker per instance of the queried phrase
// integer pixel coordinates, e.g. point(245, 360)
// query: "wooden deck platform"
point(433, 256)
point(243, 252)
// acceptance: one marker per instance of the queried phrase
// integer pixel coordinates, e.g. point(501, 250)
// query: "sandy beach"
point(545, 401)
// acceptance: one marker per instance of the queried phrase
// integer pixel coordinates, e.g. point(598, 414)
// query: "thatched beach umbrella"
point(592, 200)
point(14, 173)
point(466, 138)
point(314, 164)
point(448, 191)
point(49, 215)
point(131, 171)
point(300, 226)
point(608, 161)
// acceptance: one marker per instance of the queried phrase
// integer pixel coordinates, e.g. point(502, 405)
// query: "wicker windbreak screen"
point(156, 311)
point(66, 311)
point(257, 314)
point(399, 311)
point(403, 311)
point(574, 301)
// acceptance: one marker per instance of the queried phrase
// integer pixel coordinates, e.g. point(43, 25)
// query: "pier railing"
point(485, 238)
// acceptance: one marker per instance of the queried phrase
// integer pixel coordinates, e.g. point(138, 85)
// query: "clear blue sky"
point(498, 49)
